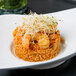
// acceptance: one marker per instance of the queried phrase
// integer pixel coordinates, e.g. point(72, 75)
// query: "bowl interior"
point(9, 22)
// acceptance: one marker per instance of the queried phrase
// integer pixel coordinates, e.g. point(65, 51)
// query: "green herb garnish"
point(59, 19)
point(51, 46)
point(30, 27)
point(56, 22)
point(23, 18)
point(32, 43)
point(34, 54)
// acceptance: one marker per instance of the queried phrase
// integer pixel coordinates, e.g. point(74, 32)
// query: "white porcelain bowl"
point(67, 28)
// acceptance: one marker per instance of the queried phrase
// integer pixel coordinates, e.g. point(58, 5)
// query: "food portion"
point(37, 39)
